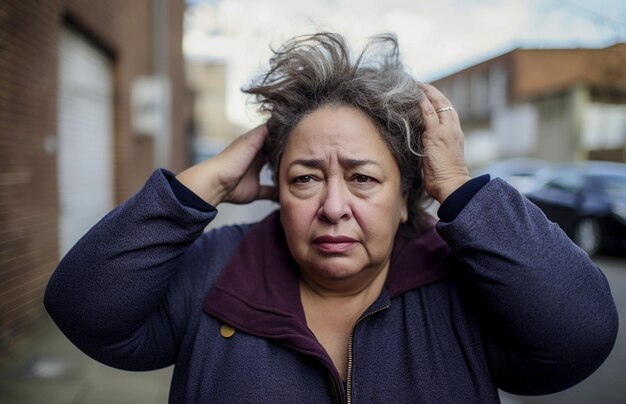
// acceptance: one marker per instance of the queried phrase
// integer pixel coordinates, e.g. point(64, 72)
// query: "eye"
point(303, 179)
point(360, 178)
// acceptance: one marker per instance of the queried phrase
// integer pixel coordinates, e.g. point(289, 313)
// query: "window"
point(479, 94)
point(569, 183)
point(460, 94)
point(497, 87)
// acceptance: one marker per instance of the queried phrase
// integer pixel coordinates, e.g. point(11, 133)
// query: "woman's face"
point(340, 195)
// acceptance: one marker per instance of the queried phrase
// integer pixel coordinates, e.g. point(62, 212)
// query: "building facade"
point(92, 99)
point(212, 129)
point(554, 104)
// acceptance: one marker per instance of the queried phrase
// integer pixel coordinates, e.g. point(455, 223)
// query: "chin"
point(337, 268)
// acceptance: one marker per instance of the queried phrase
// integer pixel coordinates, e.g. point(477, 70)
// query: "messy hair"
point(311, 71)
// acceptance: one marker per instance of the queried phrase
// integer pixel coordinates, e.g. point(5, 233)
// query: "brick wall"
point(29, 40)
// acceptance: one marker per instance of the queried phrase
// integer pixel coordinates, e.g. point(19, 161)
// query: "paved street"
point(45, 368)
point(608, 384)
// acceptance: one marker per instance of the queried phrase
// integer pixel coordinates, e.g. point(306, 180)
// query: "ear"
point(404, 212)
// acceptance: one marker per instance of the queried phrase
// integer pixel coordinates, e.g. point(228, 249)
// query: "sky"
point(436, 38)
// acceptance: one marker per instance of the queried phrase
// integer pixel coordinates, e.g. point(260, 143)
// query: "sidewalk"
point(45, 368)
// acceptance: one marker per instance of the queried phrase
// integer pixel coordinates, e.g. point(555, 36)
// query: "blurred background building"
point(212, 130)
point(553, 104)
point(92, 99)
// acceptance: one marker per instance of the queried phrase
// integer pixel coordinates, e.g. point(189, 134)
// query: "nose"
point(335, 203)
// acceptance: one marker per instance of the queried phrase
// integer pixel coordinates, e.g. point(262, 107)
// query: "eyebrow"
point(345, 163)
point(312, 163)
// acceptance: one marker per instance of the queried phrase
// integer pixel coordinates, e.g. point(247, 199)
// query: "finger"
point(440, 103)
point(247, 146)
point(431, 120)
point(255, 138)
point(436, 97)
point(258, 135)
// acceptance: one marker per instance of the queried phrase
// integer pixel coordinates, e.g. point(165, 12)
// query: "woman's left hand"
point(442, 145)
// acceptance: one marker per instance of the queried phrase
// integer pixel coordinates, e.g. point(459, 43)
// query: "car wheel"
point(588, 235)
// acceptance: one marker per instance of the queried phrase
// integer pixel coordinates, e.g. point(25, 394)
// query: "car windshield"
point(614, 185)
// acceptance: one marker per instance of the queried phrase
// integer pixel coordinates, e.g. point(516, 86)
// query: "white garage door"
point(85, 137)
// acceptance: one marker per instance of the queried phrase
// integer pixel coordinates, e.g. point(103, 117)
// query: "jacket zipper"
point(349, 381)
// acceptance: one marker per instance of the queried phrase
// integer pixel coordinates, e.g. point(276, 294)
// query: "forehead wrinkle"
point(345, 163)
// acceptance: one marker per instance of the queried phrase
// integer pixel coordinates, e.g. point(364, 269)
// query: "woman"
point(349, 293)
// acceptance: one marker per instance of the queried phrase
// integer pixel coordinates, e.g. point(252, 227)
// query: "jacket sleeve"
point(545, 310)
point(118, 293)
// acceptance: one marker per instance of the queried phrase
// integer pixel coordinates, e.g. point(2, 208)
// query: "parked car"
point(588, 201)
point(519, 172)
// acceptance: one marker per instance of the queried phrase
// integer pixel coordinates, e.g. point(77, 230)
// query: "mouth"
point(334, 244)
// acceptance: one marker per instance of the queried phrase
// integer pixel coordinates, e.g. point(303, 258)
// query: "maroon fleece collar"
point(258, 290)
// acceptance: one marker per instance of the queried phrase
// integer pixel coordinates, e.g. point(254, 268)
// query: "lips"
point(334, 244)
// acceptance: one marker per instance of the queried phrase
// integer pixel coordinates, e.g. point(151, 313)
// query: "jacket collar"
point(258, 290)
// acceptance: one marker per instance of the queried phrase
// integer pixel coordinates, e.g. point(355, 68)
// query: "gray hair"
point(311, 71)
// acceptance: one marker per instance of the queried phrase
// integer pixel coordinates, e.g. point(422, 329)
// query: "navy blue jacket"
point(496, 298)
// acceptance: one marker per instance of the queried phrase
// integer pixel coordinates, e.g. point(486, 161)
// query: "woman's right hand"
point(232, 175)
